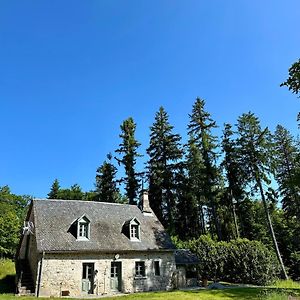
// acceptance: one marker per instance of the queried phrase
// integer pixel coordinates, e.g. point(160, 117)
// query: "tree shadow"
point(7, 284)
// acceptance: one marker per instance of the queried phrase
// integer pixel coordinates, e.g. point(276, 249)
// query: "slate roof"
point(185, 257)
point(53, 219)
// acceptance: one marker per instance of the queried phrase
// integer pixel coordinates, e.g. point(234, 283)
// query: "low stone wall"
point(63, 272)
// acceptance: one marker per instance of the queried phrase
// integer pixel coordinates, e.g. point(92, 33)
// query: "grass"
point(280, 290)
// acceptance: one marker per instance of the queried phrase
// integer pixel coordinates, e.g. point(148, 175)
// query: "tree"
point(287, 169)
point(235, 177)
point(200, 128)
point(106, 186)
point(13, 209)
point(256, 160)
point(53, 194)
point(293, 81)
point(164, 155)
point(128, 151)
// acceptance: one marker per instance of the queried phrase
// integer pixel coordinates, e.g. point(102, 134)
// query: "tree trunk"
point(271, 228)
point(237, 233)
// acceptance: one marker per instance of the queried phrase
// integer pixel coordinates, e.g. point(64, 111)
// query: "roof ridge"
point(86, 201)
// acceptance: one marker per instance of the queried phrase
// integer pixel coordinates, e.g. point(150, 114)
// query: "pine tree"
point(128, 151)
point(106, 186)
point(164, 155)
point(287, 170)
point(200, 127)
point(53, 194)
point(234, 176)
point(196, 180)
point(256, 160)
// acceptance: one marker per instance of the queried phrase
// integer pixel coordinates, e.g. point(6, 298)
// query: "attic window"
point(131, 229)
point(83, 228)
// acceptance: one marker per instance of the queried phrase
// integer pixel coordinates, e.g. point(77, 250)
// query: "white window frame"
point(134, 230)
point(83, 228)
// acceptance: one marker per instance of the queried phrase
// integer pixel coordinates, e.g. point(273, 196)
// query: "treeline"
point(244, 184)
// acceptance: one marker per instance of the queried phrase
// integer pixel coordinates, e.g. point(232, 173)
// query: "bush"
point(235, 261)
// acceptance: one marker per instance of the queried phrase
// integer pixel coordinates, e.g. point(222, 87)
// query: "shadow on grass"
point(247, 293)
point(7, 284)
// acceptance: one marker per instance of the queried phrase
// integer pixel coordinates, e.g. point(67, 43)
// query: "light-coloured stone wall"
point(63, 272)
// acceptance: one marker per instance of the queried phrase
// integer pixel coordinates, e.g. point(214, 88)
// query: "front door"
point(115, 276)
point(88, 278)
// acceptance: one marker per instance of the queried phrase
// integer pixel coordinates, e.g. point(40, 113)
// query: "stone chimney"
point(145, 205)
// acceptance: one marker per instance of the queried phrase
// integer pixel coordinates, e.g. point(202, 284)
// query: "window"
point(156, 268)
point(83, 228)
point(134, 231)
point(140, 269)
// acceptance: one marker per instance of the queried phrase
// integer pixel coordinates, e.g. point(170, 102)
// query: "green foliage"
point(106, 186)
point(12, 212)
point(295, 265)
point(53, 194)
point(164, 155)
point(128, 151)
point(239, 261)
point(293, 81)
point(200, 130)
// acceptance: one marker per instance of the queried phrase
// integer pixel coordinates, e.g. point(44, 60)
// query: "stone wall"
point(63, 272)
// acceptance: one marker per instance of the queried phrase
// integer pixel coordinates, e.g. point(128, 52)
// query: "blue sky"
point(72, 71)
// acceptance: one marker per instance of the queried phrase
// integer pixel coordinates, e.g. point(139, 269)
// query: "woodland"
point(232, 199)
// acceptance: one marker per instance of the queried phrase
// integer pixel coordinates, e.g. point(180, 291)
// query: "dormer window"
point(131, 229)
point(134, 232)
point(83, 228)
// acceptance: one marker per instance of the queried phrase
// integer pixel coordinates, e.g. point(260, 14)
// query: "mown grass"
point(280, 290)
point(7, 276)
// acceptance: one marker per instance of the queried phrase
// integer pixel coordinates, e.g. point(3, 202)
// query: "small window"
point(83, 228)
point(156, 268)
point(140, 269)
point(134, 232)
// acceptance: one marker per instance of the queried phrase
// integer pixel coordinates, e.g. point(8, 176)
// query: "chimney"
point(145, 205)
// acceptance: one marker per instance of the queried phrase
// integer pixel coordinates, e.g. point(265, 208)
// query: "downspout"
point(40, 275)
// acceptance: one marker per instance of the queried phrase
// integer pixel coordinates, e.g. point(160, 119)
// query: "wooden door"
point(88, 278)
point(115, 276)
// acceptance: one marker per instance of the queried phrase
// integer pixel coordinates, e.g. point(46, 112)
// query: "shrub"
point(235, 261)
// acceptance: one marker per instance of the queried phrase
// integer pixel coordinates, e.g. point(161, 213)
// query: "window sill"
point(139, 277)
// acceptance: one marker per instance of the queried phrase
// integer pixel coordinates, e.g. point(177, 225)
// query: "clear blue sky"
point(72, 71)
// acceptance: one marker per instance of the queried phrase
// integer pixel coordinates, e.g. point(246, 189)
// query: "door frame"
point(83, 276)
point(119, 275)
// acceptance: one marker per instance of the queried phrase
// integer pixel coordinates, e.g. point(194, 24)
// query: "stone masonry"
point(63, 272)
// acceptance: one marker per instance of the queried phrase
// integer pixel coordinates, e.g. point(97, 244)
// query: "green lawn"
point(279, 291)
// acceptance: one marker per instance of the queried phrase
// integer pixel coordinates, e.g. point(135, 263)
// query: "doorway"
point(115, 276)
point(88, 278)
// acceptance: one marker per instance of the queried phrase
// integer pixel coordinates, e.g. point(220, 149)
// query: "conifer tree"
point(53, 194)
point(287, 171)
point(128, 151)
point(200, 127)
point(233, 172)
point(106, 186)
point(164, 155)
point(256, 160)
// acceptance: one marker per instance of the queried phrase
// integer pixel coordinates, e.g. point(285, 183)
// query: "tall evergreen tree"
point(106, 186)
point(128, 151)
point(234, 176)
point(287, 170)
point(53, 194)
point(256, 160)
point(196, 180)
point(200, 127)
point(164, 155)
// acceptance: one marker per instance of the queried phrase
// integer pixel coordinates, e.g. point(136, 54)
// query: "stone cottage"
point(75, 248)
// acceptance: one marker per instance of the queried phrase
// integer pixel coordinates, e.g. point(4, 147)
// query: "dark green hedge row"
point(239, 261)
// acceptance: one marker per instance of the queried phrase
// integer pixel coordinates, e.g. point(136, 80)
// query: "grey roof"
point(53, 220)
point(185, 257)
